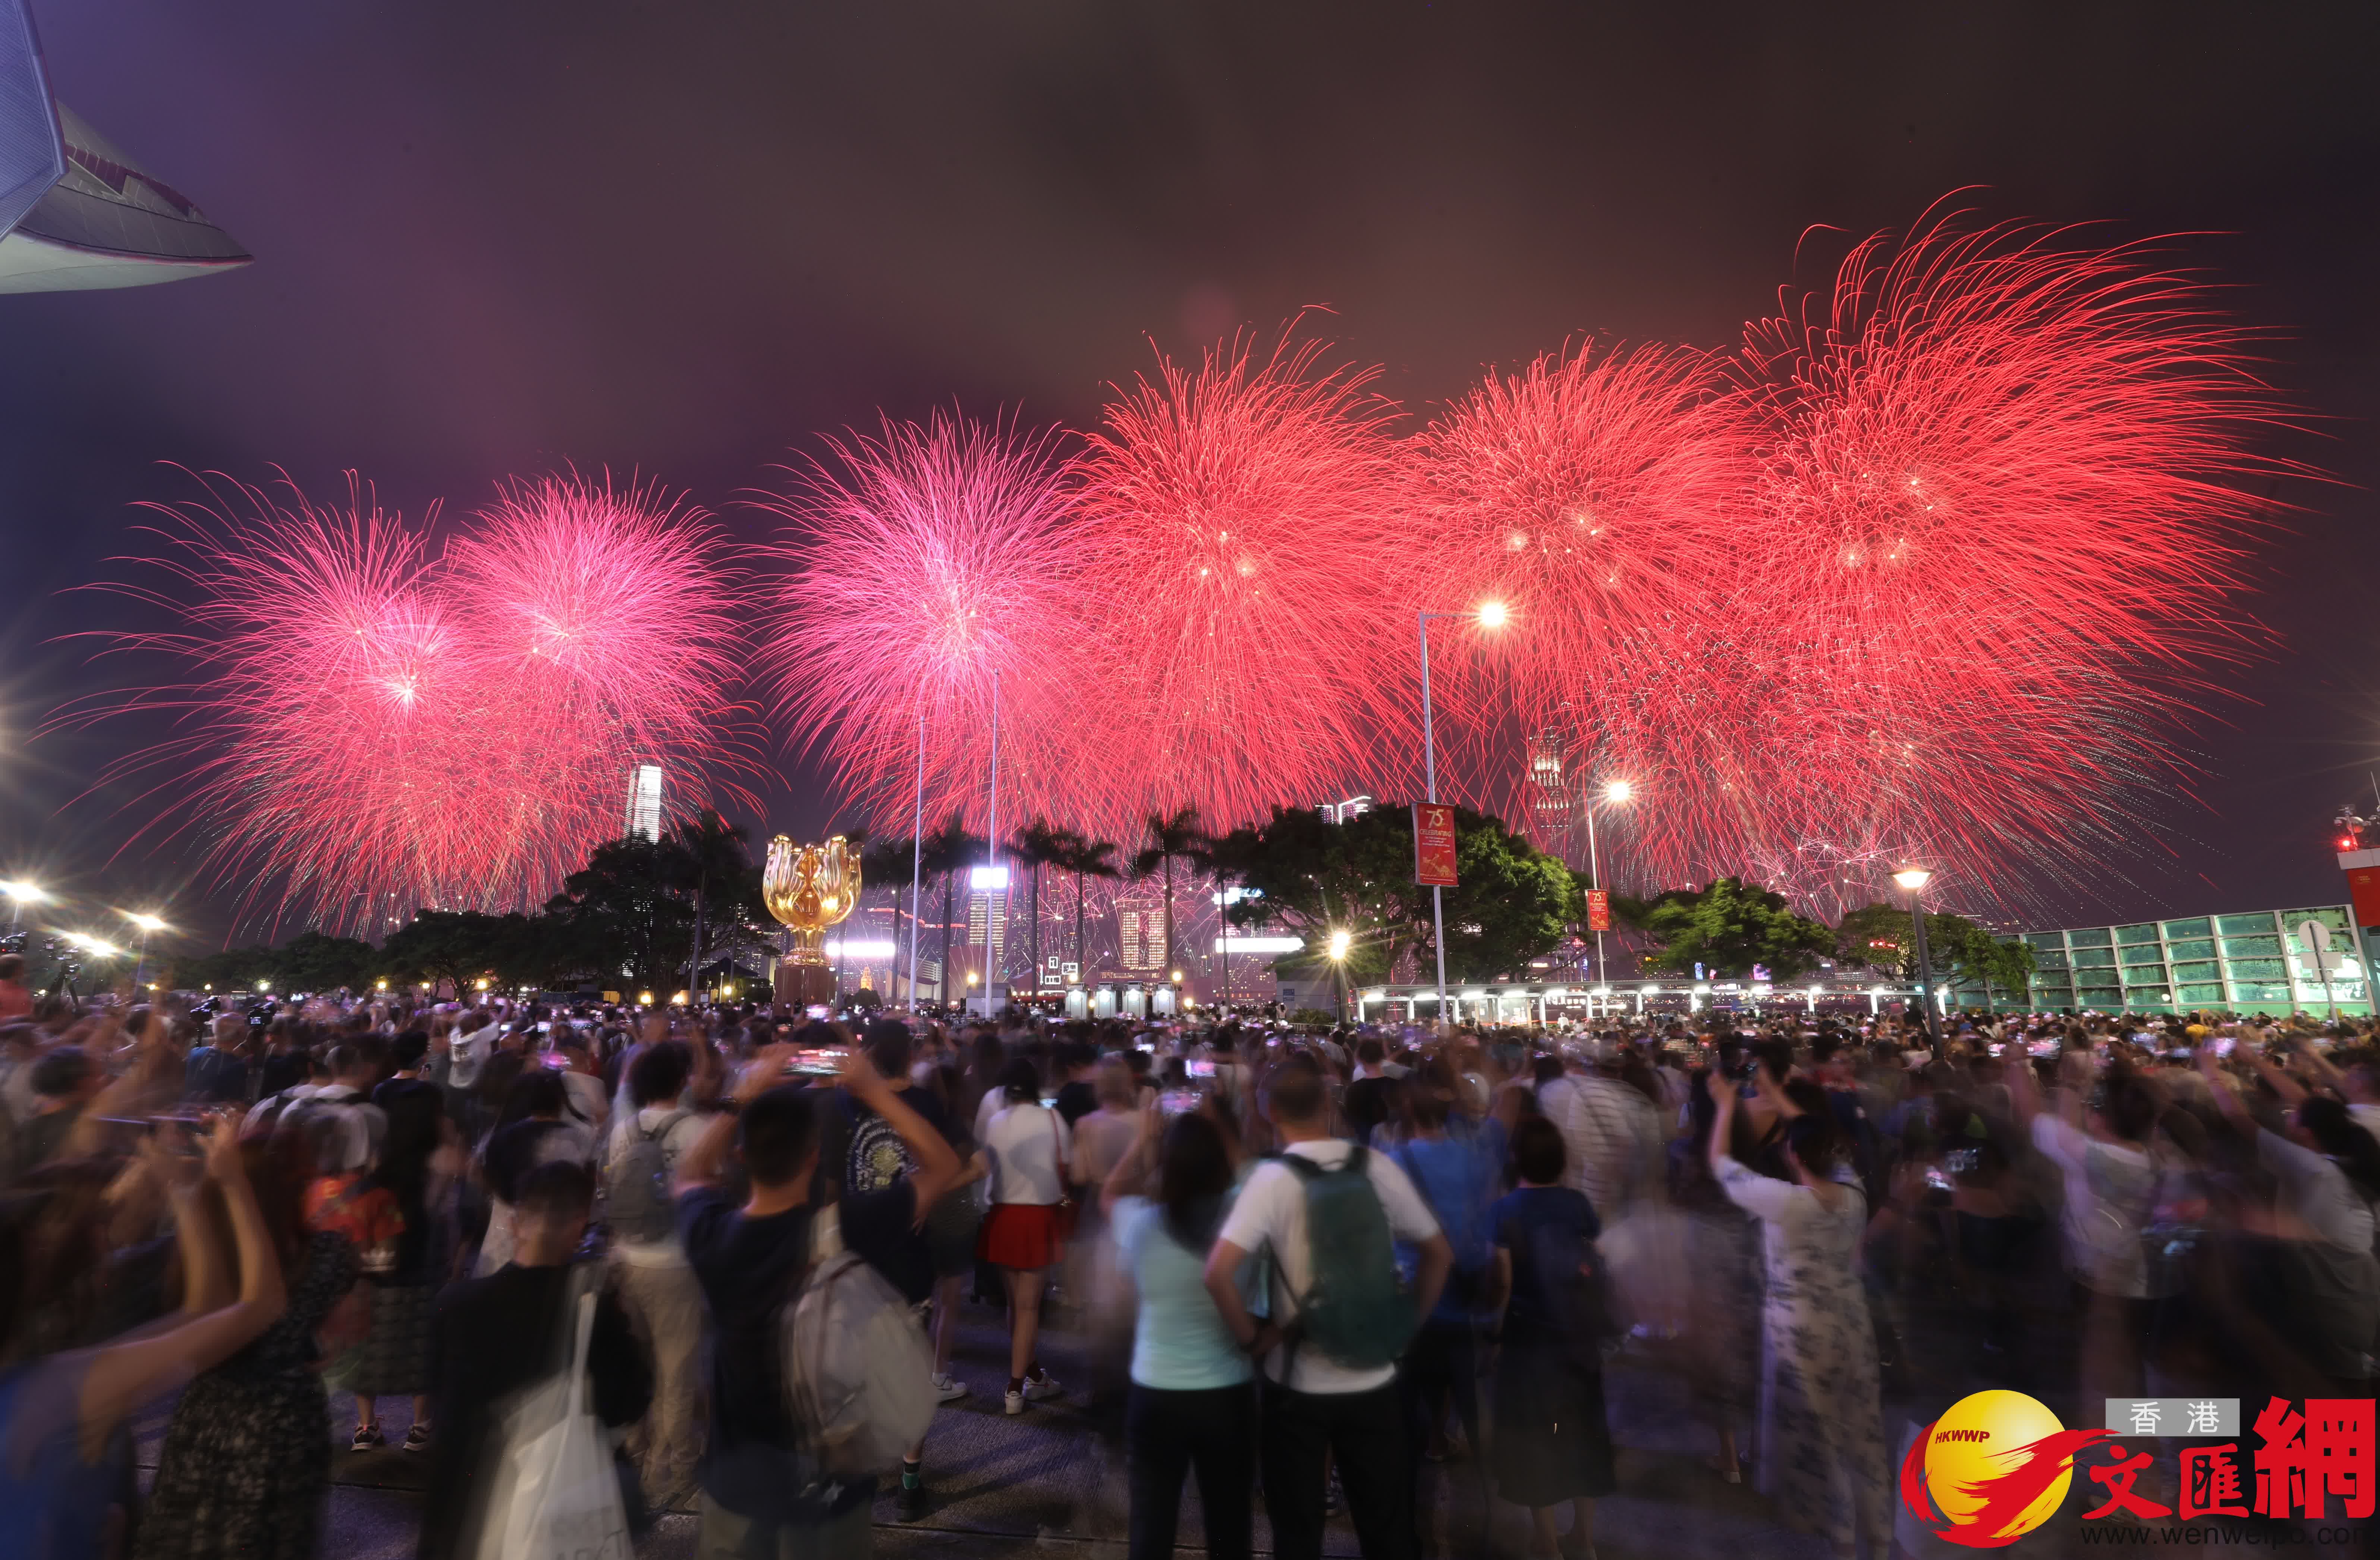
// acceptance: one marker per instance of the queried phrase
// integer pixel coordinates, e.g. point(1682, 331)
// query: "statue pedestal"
point(804, 985)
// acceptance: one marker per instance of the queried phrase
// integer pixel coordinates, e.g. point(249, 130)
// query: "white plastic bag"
point(553, 1494)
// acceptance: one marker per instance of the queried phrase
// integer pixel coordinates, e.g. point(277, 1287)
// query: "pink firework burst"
point(1592, 495)
point(361, 732)
point(934, 570)
point(1249, 519)
point(1996, 540)
point(611, 605)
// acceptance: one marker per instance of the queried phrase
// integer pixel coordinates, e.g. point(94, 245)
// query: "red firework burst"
point(1249, 520)
point(1996, 540)
point(364, 734)
point(1593, 495)
point(935, 569)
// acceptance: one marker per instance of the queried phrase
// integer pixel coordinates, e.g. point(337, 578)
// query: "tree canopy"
point(1882, 937)
point(1727, 928)
point(1312, 876)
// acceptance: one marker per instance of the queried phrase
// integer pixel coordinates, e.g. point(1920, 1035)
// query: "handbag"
point(555, 1494)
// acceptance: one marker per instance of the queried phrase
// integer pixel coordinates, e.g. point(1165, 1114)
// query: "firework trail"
point(933, 566)
point(1993, 548)
point(365, 731)
point(1247, 517)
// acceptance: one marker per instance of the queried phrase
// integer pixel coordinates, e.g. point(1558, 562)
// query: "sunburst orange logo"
point(1992, 1469)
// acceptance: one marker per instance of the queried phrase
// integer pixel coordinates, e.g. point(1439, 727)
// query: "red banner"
point(1598, 910)
point(2363, 888)
point(1433, 845)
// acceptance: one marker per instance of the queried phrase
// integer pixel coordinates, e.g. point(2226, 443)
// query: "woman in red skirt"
point(1028, 1153)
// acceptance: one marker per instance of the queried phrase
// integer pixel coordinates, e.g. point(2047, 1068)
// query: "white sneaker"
point(949, 1391)
point(1015, 1402)
point(1044, 1386)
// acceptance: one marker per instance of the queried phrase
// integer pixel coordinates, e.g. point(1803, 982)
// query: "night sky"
point(681, 240)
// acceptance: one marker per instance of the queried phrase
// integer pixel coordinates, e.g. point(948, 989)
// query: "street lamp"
point(1487, 615)
point(147, 923)
point(22, 894)
point(1914, 881)
point(1341, 940)
point(1617, 792)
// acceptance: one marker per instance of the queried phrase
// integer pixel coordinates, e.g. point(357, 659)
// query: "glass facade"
point(2247, 964)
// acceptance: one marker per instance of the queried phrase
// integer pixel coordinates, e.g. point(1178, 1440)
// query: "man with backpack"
point(763, 1492)
point(1328, 1214)
point(874, 1158)
point(657, 1286)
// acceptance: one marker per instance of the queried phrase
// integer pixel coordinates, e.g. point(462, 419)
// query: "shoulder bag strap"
point(1058, 1154)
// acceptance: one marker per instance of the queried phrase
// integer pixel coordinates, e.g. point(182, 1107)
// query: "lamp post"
point(995, 880)
point(1619, 791)
point(147, 923)
point(1914, 881)
point(1489, 615)
point(916, 858)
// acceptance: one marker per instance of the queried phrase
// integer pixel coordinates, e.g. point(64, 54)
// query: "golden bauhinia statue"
point(809, 888)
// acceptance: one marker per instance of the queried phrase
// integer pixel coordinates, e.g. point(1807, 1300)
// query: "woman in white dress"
point(1821, 1454)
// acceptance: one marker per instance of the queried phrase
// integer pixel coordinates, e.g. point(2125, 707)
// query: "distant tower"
point(644, 802)
point(1141, 935)
point(986, 937)
point(1553, 800)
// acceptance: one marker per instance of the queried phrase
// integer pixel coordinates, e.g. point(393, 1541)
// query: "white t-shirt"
point(2111, 1191)
point(1026, 1143)
point(1269, 1217)
point(585, 1093)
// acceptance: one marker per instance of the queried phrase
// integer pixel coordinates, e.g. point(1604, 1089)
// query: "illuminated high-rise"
point(1552, 797)
point(987, 934)
point(1140, 936)
point(644, 802)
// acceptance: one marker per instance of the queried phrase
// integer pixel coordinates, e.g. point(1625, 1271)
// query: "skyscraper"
point(1552, 797)
point(987, 936)
point(644, 802)
point(1140, 936)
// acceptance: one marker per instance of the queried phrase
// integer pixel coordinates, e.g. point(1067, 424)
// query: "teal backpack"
point(1357, 1312)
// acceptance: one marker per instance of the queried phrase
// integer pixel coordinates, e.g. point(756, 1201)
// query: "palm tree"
point(947, 853)
point(1087, 858)
point(1038, 845)
point(1170, 839)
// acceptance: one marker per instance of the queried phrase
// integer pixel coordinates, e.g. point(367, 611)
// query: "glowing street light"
point(1340, 941)
point(1914, 881)
point(147, 923)
point(22, 894)
point(1487, 615)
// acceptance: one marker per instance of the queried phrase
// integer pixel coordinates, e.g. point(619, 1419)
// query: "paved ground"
point(1041, 1485)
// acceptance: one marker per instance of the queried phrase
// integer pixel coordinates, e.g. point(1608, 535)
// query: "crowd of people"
point(1379, 1272)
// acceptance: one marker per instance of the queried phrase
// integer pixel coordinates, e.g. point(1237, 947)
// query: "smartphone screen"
point(1201, 1066)
point(817, 1010)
